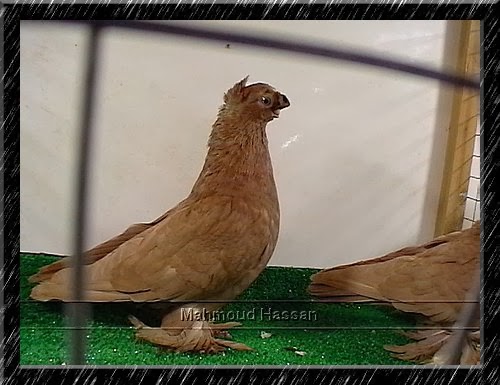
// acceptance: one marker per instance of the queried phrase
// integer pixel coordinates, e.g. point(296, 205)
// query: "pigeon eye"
point(265, 100)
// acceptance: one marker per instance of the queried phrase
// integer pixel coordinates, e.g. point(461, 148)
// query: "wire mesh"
point(473, 198)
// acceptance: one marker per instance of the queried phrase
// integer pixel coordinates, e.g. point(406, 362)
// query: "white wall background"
point(358, 156)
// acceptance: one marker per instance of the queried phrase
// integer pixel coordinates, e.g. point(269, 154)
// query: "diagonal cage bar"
point(286, 45)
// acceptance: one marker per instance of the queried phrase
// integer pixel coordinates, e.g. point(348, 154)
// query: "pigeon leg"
point(182, 332)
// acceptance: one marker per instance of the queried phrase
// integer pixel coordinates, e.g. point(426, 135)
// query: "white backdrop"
point(358, 156)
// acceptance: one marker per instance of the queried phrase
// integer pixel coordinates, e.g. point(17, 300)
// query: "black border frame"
point(489, 165)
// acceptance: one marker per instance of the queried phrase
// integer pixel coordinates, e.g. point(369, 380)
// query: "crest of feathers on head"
point(235, 93)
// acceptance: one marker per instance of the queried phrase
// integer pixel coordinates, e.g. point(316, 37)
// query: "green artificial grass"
point(330, 334)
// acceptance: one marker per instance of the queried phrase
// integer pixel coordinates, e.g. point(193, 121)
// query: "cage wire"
point(78, 310)
point(472, 211)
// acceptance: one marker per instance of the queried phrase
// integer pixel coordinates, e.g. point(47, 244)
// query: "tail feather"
point(349, 283)
point(50, 291)
point(92, 255)
point(101, 250)
point(333, 295)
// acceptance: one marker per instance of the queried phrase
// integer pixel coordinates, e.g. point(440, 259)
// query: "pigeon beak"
point(283, 102)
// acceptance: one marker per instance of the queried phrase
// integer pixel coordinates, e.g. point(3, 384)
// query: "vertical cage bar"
point(77, 309)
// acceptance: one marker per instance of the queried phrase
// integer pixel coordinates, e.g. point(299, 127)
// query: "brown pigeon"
point(210, 246)
point(432, 280)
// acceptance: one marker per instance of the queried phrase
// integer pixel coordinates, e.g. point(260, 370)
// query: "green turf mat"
point(327, 334)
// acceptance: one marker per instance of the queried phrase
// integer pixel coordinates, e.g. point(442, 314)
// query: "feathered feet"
point(429, 342)
point(200, 336)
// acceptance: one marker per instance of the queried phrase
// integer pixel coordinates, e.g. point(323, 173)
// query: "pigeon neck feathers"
point(238, 156)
